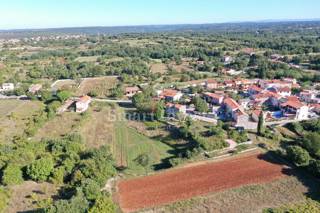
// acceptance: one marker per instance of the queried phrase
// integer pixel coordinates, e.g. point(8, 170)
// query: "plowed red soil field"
point(184, 183)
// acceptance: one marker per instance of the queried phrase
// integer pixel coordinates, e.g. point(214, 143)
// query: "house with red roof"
point(83, 104)
point(293, 107)
point(233, 110)
point(213, 98)
point(253, 90)
point(171, 95)
point(211, 84)
point(173, 109)
point(131, 91)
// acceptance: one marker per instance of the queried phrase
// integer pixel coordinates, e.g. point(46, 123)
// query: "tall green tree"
point(260, 128)
point(159, 114)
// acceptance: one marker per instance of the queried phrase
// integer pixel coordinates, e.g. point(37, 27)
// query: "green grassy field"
point(129, 144)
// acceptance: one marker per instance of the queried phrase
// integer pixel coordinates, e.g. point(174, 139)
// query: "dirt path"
point(188, 182)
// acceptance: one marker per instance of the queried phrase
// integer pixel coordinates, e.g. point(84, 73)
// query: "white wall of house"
point(302, 113)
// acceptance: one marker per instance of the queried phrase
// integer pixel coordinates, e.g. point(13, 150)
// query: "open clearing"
point(59, 126)
point(23, 196)
point(184, 183)
point(101, 86)
point(14, 115)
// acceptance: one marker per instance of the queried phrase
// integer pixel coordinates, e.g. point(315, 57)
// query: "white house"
point(295, 108)
point(308, 96)
point(83, 104)
point(7, 87)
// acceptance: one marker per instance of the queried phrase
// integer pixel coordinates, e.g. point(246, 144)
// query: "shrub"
point(91, 189)
point(40, 169)
point(12, 175)
point(103, 204)
point(4, 198)
point(298, 155)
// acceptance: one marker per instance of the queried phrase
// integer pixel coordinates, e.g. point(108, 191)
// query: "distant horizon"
point(178, 24)
point(46, 14)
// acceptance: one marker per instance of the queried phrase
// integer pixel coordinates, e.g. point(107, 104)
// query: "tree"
point(200, 105)
point(91, 189)
point(12, 175)
point(143, 160)
point(159, 111)
point(40, 169)
point(45, 95)
point(311, 142)
point(103, 204)
point(262, 70)
point(298, 155)
point(63, 95)
point(260, 128)
point(77, 204)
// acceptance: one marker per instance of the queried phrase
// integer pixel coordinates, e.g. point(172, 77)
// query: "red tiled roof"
point(231, 103)
point(85, 98)
point(255, 88)
point(169, 93)
point(213, 95)
point(257, 112)
point(211, 81)
point(293, 104)
point(132, 89)
point(284, 89)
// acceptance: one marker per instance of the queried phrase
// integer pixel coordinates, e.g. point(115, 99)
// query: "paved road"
point(113, 101)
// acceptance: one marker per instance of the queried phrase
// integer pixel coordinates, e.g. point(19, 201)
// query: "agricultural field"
point(185, 183)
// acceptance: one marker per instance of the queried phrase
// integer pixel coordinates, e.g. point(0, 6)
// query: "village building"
point(211, 84)
point(131, 91)
point(233, 110)
point(294, 108)
point(309, 96)
point(7, 87)
point(253, 90)
point(171, 95)
point(213, 98)
point(173, 109)
point(83, 104)
point(227, 59)
point(34, 88)
point(256, 114)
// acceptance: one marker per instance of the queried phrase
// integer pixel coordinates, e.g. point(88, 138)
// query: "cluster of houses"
point(273, 98)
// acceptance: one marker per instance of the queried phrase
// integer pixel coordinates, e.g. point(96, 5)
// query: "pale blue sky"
point(71, 13)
